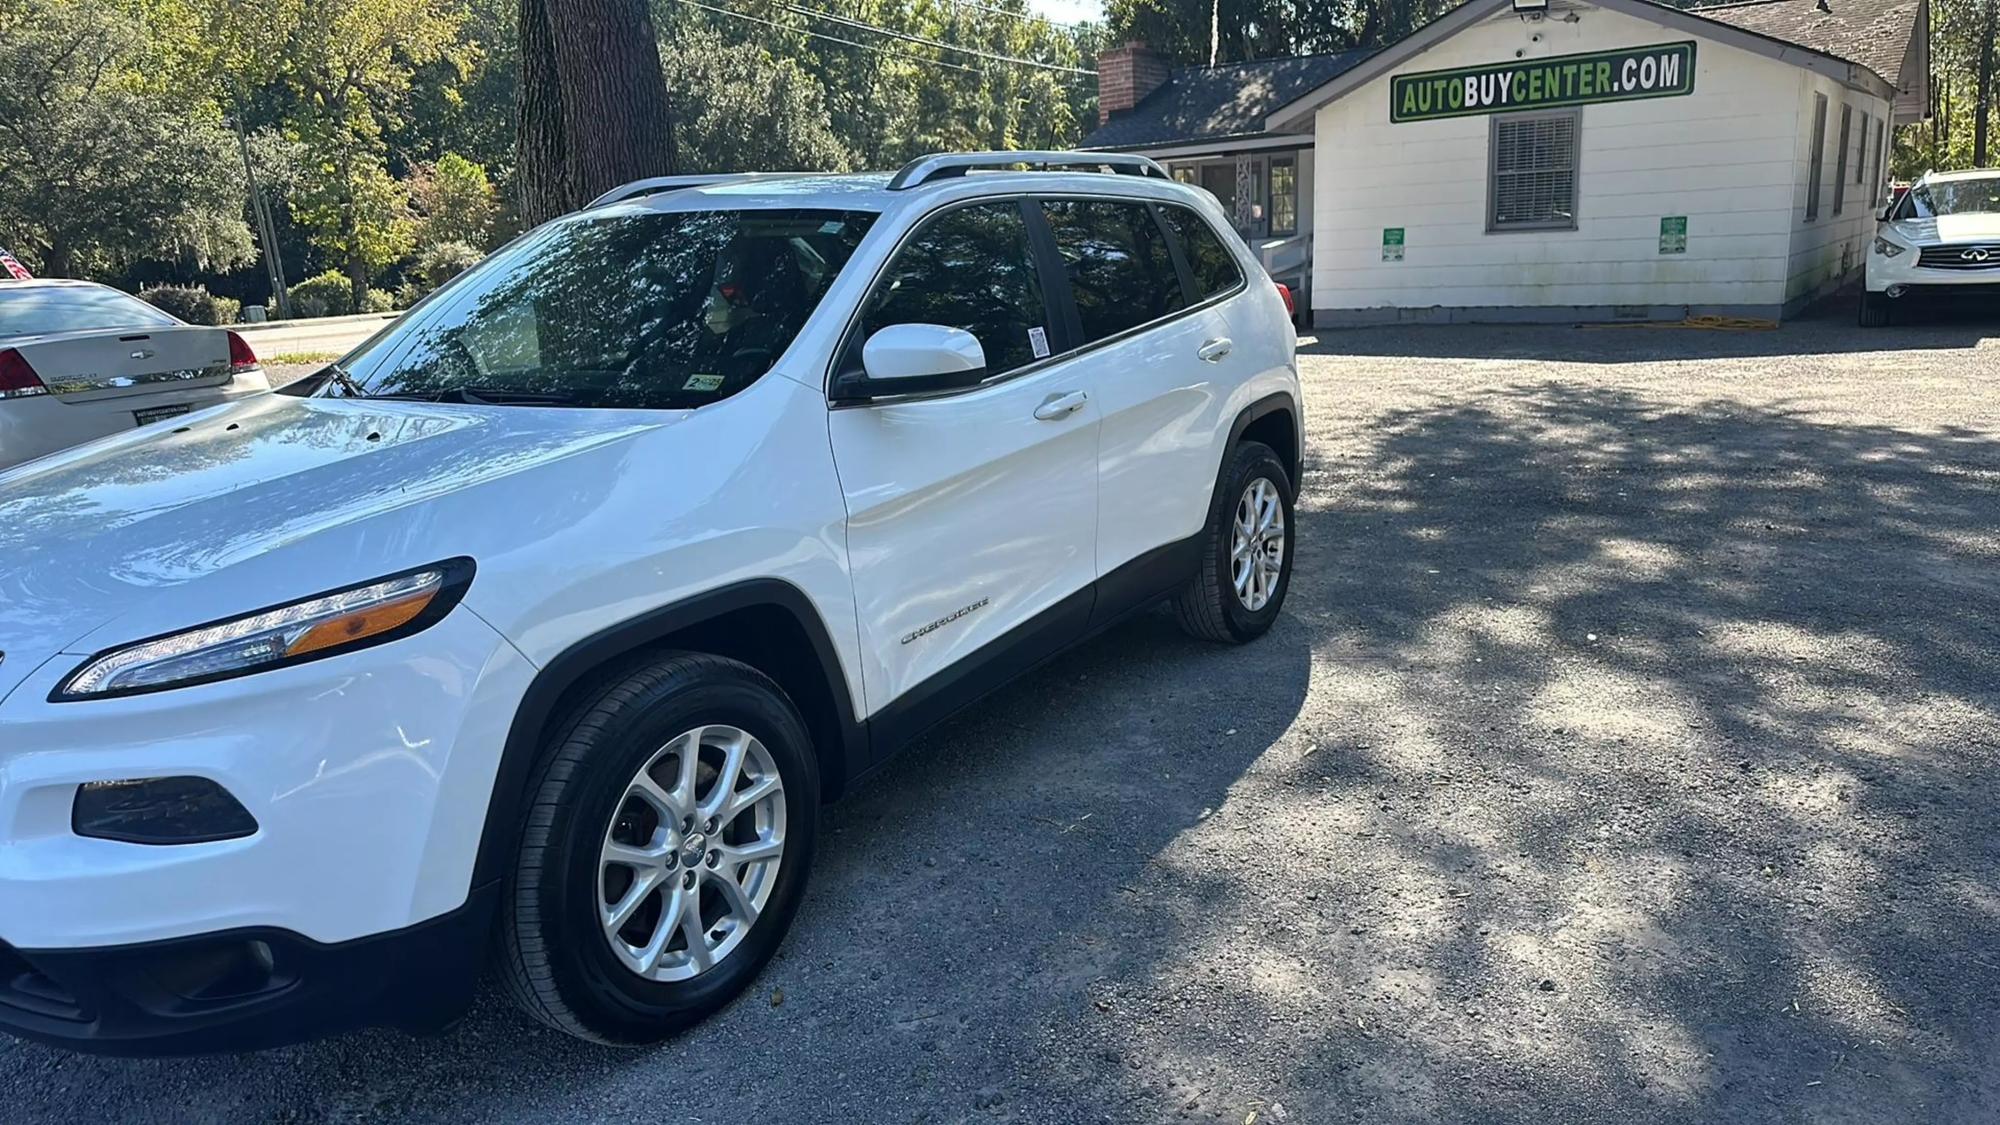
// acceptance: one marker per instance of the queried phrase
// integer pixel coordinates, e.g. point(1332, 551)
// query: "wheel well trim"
point(562, 674)
point(1263, 407)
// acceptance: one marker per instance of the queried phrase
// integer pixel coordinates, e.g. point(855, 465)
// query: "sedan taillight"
point(17, 377)
point(242, 360)
point(1285, 293)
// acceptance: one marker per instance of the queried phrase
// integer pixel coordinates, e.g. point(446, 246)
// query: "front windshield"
point(635, 309)
point(1951, 197)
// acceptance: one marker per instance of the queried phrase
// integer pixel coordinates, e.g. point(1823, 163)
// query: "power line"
point(834, 38)
point(937, 43)
point(1031, 17)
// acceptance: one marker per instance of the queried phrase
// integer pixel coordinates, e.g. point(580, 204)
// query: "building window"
point(1284, 196)
point(1861, 151)
point(1840, 159)
point(1817, 164)
point(1531, 182)
point(1881, 168)
point(1182, 173)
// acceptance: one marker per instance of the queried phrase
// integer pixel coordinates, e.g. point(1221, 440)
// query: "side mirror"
point(1882, 214)
point(914, 359)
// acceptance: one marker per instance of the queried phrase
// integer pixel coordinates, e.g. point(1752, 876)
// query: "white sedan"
point(80, 360)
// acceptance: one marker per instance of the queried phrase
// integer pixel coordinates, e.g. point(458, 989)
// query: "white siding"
point(1825, 250)
point(1729, 156)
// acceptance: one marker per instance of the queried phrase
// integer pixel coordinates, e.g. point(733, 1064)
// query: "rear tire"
point(1246, 559)
point(599, 839)
point(1874, 310)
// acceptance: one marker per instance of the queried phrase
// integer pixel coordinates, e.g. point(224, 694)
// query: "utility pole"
point(1984, 108)
point(267, 230)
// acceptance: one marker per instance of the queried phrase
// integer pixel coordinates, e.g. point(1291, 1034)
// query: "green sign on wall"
point(1674, 234)
point(1392, 244)
point(1662, 71)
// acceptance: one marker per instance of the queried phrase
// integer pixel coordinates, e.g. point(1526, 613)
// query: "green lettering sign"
point(1674, 234)
point(1630, 74)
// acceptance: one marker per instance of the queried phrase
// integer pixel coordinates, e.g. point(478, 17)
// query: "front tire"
point(1246, 563)
point(669, 838)
point(1874, 309)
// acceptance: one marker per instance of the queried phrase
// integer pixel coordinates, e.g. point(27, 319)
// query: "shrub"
point(444, 261)
point(228, 310)
point(327, 294)
point(192, 303)
point(378, 301)
point(408, 293)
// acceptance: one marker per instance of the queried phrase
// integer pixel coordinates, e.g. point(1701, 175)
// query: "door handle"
point(1061, 405)
point(1214, 350)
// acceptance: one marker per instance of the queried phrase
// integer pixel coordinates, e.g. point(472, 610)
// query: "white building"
point(1602, 160)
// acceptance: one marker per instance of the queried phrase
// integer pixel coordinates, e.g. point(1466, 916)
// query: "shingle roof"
point(1874, 33)
point(1209, 103)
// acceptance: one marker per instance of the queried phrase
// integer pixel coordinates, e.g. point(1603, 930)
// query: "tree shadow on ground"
point(1648, 777)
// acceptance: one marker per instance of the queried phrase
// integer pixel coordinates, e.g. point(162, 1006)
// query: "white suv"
point(537, 630)
point(1942, 237)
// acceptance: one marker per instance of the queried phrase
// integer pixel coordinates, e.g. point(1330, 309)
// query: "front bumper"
point(368, 776)
point(1904, 272)
point(245, 989)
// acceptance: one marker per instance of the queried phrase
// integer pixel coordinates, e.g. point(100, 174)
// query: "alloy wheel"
point(1257, 544)
point(692, 853)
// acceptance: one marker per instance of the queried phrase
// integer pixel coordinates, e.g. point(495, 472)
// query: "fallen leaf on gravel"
point(777, 997)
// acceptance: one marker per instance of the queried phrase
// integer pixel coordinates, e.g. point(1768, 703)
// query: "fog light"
point(1897, 290)
point(159, 810)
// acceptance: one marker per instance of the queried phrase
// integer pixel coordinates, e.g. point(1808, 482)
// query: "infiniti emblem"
point(1976, 254)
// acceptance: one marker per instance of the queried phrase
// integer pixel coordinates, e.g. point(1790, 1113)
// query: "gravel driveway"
point(1627, 753)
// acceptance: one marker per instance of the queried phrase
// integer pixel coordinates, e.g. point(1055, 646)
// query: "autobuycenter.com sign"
point(1662, 71)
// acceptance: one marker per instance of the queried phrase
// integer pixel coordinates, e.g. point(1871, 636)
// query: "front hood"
point(87, 535)
point(1948, 229)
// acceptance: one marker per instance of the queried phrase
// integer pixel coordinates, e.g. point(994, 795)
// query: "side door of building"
point(972, 514)
point(1162, 361)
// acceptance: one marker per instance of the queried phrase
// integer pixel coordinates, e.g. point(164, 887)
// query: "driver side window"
point(970, 268)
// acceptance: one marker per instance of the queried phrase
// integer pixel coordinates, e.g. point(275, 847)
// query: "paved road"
point(326, 336)
point(1627, 753)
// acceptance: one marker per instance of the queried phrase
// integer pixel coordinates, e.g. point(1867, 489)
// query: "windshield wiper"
point(349, 388)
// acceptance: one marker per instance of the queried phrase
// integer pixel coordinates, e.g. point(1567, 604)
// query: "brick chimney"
point(1125, 75)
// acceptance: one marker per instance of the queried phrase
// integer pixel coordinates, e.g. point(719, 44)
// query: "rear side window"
point(30, 310)
point(1120, 269)
point(1214, 267)
point(972, 269)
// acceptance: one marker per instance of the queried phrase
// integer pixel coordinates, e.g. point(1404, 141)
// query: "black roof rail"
point(945, 165)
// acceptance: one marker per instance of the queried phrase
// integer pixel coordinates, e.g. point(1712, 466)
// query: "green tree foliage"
point(97, 168)
point(1241, 30)
point(896, 94)
point(454, 202)
point(738, 106)
point(1945, 141)
point(382, 129)
point(342, 72)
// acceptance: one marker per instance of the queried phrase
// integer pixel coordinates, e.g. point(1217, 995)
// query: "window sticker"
point(832, 226)
point(702, 381)
point(1038, 339)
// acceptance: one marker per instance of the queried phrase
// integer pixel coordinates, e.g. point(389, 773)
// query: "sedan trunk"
point(112, 363)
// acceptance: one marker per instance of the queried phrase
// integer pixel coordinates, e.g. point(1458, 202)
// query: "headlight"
point(359, 616)
point(1887, 248)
